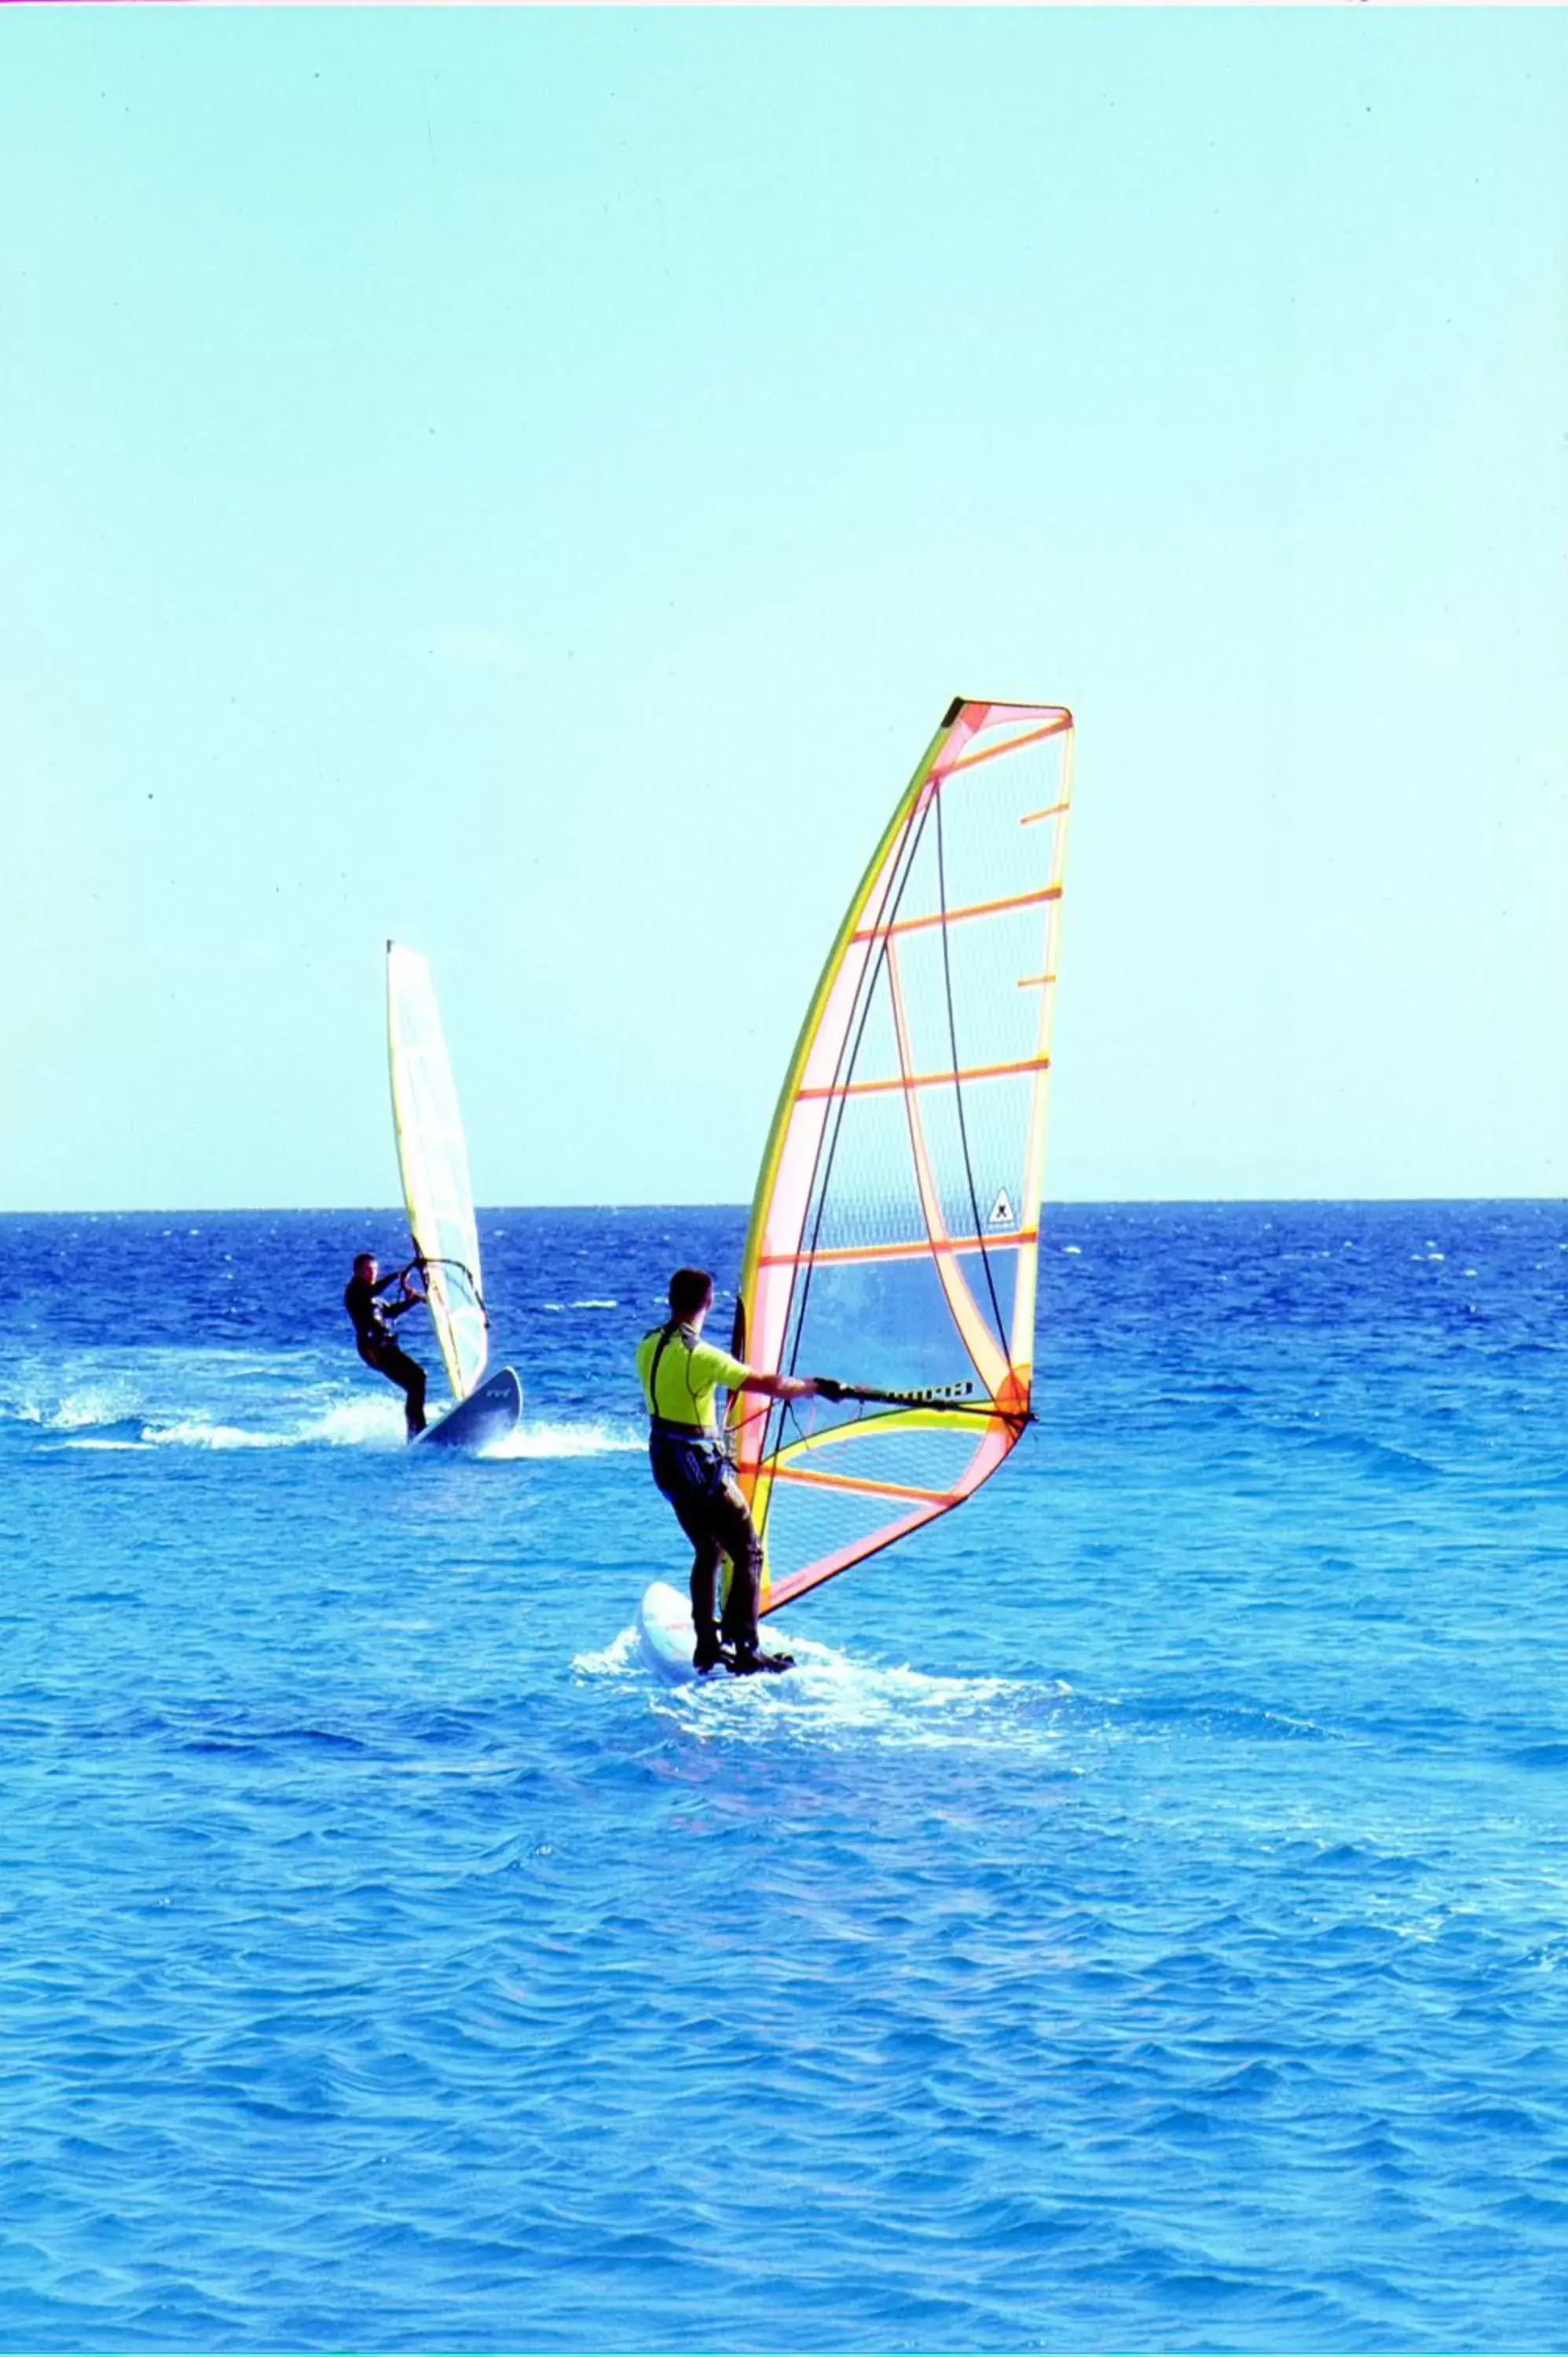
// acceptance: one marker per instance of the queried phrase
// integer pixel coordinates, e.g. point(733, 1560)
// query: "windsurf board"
point(487, 1415)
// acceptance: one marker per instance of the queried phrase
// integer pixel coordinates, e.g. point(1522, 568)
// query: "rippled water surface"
point(1141, 1922)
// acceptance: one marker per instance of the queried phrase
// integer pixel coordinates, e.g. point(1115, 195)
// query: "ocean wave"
point(1372, 1455)
point(1551, 1755)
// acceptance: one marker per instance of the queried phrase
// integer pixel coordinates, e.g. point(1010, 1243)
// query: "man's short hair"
point(360, 1259)
point(689, 1291)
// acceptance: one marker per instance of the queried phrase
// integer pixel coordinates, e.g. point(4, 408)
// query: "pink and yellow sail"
point(895, 1231)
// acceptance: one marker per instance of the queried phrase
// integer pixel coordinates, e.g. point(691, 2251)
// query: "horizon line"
point(1052, 1205)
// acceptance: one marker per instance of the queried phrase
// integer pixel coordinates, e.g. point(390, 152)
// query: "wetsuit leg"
point(685, 1476)
point(411, 1379)
point(713, 1515)
point(705, 1562)
point(731, 1524)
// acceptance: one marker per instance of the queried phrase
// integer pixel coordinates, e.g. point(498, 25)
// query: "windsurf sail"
point(895, 1231)
point(433, 1158)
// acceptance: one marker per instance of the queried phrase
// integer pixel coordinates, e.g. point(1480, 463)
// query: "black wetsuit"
point(691, 1468)
point(377, 1345)
point(699, 1484)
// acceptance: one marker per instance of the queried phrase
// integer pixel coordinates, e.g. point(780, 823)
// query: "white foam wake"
point(197, 1433)
point(829, 1695)
point(622, 1654)
point(351, 1423)
point(565, 1440)
point(358, 1422)
point(94, 1405)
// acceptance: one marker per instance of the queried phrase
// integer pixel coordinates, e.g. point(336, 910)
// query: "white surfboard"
point(664, 1633)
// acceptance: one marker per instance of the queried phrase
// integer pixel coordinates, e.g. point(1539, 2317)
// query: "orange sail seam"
point(957, 916)
point(1012, 744)
point(866, 1487)
point(926, 1080)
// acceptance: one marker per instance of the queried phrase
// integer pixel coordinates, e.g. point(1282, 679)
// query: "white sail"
point(433, 1158)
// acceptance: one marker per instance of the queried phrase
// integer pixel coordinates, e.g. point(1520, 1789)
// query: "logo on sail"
point(1002, 1212)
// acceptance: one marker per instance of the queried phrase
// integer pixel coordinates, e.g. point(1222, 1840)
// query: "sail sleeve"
point(433, 1159)
point(893, 1235)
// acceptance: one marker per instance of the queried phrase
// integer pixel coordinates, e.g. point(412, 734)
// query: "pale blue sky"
point(528, 482)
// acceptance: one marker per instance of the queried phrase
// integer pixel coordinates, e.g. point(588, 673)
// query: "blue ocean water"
point(1141, 1923)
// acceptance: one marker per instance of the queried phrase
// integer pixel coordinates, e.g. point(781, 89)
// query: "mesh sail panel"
point(893, 1235)
point(433, 1159)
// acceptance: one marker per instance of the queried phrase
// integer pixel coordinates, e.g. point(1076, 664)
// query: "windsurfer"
point(680, 1374)
point(374, 1337)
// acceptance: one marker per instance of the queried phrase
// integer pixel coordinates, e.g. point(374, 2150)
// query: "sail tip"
point(954, 708)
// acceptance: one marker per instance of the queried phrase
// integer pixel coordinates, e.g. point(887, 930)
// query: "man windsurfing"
point(373, 1336)
point(679, 1373)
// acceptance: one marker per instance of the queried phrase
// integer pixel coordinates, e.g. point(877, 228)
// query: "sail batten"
point(852, 1256)
point(433, 1158)
point(928, 1079)
point(894, 1233)
point(959, 916)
